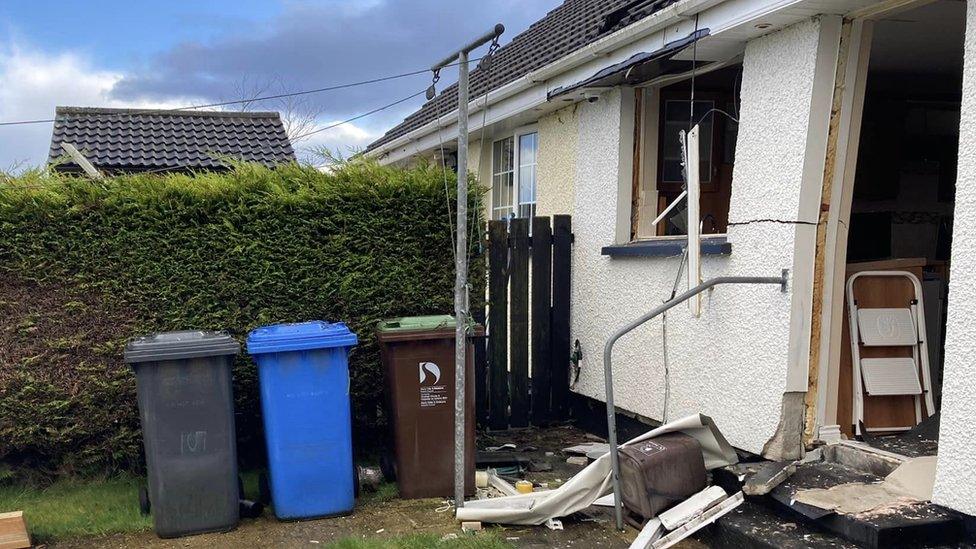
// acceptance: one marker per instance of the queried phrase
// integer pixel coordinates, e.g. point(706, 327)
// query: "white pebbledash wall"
point(955, 482)
point(732, 363)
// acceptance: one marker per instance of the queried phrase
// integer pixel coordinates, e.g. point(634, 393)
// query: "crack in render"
point(781, 221)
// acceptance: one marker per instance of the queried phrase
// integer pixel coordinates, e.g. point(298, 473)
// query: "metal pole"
point(608, 369)
point(461, 256)
point(461, 282)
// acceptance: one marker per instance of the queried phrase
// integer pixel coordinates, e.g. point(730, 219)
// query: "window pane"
point(502, 194)
point(528, 152)
point(677, 117)
point(527, 148)
point(503, 179)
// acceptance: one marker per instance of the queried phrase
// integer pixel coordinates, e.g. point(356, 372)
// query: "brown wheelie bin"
point(418, 356)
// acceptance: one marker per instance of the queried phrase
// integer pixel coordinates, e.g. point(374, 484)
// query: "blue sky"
point(177, 53)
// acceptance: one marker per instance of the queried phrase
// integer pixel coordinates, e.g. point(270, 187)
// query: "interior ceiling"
point(926, 40)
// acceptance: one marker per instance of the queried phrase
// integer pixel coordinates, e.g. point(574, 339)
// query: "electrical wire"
point(251, 100)
point(365, 114)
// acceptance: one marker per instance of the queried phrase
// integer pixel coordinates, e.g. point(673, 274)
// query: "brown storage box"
point(419, 368)
point(660, 472)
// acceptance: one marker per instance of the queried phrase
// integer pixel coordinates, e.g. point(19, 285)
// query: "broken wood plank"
point(697, 523)
point(691, 507)
point(648, 535)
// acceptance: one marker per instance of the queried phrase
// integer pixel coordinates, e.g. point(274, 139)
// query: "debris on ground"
point(580, 461)
point(769, 476)
point(911, 481)
point(580, 491)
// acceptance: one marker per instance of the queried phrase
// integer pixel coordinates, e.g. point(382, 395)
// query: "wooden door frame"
point(830, 259)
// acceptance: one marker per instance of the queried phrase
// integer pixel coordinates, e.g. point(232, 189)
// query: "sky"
point(111, 53)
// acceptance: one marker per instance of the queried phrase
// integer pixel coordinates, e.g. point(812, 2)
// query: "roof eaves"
point(620, 38)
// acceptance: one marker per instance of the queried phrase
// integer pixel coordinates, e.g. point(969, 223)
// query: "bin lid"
point(180, 345)
point(300, 336)
point(417, 323)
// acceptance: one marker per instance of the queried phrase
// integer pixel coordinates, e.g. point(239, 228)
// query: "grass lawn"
point(73, 508)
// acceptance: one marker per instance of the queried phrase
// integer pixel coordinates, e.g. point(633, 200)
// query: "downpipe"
point(780, 281)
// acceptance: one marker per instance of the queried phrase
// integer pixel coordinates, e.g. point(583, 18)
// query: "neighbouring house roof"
point(137, 140)
point(567, 28)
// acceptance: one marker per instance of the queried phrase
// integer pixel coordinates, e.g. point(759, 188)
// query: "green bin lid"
point(417, 323)
point(179, 346)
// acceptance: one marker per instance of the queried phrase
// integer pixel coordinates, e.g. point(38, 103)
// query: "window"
point(659, 174)
point(513, 176)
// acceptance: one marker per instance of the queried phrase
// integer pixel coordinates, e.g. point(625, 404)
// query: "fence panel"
point(541, 320)
point(518, 303)
point(528, 323)
point(498, 325)
point(562, 248)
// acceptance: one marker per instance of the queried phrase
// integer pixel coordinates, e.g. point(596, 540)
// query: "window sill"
point(718, 245)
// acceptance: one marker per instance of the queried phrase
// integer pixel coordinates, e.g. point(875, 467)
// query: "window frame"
point(516, 205)
point(647, 158)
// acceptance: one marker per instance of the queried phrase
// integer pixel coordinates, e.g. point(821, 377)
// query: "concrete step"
point(754, 526)
point(904, 524)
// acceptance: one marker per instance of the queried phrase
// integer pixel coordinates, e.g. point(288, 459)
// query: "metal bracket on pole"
point(461, 257)
point(608, 369)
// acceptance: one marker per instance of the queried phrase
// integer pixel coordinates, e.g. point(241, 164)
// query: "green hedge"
point(86, 265)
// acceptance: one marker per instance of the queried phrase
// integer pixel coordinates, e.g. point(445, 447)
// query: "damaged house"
point(833, 143)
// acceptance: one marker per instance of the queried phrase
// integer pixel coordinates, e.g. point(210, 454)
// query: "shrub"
point(86, 265)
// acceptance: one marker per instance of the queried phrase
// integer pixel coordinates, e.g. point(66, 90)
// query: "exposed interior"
point(901, 221)
point(662, 114)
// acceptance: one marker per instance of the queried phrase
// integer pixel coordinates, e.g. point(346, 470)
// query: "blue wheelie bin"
point(303, 371)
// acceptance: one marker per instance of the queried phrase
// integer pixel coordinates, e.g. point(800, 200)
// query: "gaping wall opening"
point(900, 224)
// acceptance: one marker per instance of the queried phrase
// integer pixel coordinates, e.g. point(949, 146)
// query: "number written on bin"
point(194, 442)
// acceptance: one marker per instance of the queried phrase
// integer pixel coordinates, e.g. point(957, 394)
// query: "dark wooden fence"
point(523, 374)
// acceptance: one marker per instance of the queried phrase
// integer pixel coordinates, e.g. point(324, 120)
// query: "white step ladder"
point(889, 327)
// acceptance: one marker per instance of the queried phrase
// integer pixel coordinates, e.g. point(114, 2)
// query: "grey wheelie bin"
point(186, 407)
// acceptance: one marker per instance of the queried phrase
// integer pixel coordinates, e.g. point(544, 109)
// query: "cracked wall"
point(732, 362)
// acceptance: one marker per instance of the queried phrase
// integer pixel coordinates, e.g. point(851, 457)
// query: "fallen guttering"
point(608, 369)
point(619, 73)
point(655, 22)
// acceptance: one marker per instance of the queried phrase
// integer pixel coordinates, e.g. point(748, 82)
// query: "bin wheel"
point(388, 467)
point(264, 488)
point(144, 504)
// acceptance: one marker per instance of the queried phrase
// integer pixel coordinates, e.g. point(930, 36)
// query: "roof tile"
point(569, 27)
point(138, 140)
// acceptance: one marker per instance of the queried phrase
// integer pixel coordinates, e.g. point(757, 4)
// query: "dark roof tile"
point(567, 28)
point(138, 139)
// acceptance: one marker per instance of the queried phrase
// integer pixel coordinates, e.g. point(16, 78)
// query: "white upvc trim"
point(531, 91)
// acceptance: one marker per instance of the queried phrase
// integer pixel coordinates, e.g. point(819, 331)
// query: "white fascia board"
point(531, 91)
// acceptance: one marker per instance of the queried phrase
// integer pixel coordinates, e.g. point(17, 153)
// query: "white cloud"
point(35, 82)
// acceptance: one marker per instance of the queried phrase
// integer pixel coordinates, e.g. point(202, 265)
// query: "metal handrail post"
point(608, 371)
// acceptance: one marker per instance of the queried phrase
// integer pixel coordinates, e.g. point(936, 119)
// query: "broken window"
point(659, 175)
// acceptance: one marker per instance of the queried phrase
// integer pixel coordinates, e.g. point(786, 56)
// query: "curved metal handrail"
point(608, 373)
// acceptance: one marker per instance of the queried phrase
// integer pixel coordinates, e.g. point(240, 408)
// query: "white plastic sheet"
point(592, 482)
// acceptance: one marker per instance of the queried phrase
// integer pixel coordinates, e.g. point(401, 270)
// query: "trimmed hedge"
point(86, 265)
